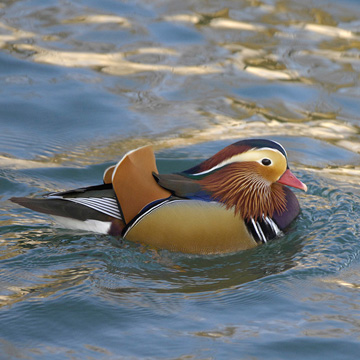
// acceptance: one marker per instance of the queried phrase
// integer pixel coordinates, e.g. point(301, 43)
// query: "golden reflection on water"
point(14, 246)
point(223, 128)
point(117, 64)
point(13, 34)
point(113, 64)
point(330, 31)
point(333, 45)
point(13, 163)
point(51, 283)
point(99, 19)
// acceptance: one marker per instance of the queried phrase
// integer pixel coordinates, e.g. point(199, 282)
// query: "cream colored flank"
point(192, 226)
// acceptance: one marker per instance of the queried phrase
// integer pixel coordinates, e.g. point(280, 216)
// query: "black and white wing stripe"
point(106, 205)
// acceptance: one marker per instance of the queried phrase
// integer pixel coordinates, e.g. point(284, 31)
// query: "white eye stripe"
point(238, 158)
point(275, 150)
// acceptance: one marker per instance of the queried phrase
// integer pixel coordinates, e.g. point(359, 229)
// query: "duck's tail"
point(79, 208)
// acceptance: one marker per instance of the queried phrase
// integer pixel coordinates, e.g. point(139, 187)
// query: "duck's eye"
point(266, 162)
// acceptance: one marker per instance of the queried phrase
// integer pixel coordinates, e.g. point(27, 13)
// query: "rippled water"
point(81, 83)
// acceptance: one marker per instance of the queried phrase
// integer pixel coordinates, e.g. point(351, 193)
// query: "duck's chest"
point(191, 226)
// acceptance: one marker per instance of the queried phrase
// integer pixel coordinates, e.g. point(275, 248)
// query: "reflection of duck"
point(232, 201)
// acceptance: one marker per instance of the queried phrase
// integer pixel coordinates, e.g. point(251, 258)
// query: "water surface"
point(81, 83)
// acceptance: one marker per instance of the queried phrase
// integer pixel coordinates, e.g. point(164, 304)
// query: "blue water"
point(81, 83)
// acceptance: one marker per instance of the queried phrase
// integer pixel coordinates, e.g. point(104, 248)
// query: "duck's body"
point(233, 201)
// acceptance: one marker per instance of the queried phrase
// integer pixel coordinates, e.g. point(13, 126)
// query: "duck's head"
point(248, 175)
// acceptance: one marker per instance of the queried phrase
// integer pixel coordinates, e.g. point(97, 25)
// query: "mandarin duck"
point(232, 201)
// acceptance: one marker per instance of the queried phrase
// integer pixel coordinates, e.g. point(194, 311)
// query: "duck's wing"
point(133, 182)
point(108, 173)
point(128, 187)
point(182, 186)
point(95, 202)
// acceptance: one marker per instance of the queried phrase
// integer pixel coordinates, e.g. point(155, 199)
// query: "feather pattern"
point(263, 230)
point(101, 198)
point(237, 148)
point(108, 206)
point(179, 185)
point(242, 188)
point(219, 157)
point(233, 201)
point(93, 202)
